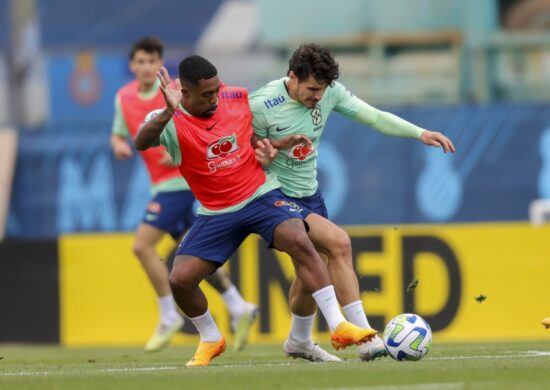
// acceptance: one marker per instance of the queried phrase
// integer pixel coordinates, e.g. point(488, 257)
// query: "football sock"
point(301, 328)
point(208, 330)
point(328, 304)
point(235, 303)
point(355, 314)
point(168, 311)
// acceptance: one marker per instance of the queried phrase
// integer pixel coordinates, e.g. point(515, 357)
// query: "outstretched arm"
point(150, 131)
point(385, 122)
point(393, 125)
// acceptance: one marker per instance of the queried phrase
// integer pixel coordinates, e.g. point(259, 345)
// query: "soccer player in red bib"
point(207, 129)
point(172, 210)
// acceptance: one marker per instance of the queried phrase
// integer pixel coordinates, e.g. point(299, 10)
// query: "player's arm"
point(385, 122)
point(264, 151)
point(121, 148)
point(150, 131)
point(390, 124)
point(120, 134)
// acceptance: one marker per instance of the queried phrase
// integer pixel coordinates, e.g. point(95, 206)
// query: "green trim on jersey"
point(119, 126)
point(271, 183)
point(170, 185)
point(169, 139)
point(276, 115)
point(152, 92)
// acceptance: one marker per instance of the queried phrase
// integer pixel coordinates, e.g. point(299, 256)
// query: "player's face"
point(308, 92)
point(144, 66)
point(202, 99)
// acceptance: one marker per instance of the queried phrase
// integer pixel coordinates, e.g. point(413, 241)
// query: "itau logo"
point(300, 152)
point(222, 147)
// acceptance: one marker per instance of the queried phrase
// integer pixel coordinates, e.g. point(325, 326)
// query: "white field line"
point(92, 370)
point(422, 386)
point(505, 356)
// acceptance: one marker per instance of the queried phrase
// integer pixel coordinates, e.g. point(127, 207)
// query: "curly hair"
point(315, 60)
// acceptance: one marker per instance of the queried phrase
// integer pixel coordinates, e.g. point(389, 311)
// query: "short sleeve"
point(259, 122)
point(119, 126)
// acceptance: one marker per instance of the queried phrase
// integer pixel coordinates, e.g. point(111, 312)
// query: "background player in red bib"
point(172, 208)
point(207, 129)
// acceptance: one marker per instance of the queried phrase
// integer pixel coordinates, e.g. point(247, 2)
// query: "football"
point(407, 337)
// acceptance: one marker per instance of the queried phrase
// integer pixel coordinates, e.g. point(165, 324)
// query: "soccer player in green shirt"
point(300, 104)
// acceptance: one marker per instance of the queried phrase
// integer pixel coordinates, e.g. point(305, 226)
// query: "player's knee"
point(339, 247)
point(180, 281)
point(300, 243)
point(140, 249)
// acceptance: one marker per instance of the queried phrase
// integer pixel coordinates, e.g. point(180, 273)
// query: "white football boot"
point(372, 350)
point(308, 350)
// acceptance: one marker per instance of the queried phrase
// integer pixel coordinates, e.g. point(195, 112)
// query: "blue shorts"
point(312, 204)
point(216, 237)
point(172, 211)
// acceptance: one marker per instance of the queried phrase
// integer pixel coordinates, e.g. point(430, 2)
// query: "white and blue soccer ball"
point(407, 337)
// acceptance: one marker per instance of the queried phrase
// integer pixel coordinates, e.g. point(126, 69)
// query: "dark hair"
point(148, 44)
point(194, 68)
point(315, 60)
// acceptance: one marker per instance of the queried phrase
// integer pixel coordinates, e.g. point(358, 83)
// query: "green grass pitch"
point(522, 365)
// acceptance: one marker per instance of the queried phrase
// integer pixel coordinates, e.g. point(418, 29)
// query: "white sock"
point(328, 304)
point(355, 314)
point(208, 330)
point(168, 311)
point(301, 328)
point(235, 303)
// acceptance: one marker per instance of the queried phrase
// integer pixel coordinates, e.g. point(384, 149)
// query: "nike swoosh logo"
point(210, 127)
point(281, 129)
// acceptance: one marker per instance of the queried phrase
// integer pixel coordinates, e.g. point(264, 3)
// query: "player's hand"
point(171, 91)
point(265, 152)
point(122, 151)
point(290, 141)
point(435, 138)
point(166, 160)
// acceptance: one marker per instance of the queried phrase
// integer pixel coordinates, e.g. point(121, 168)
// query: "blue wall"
point(107, 23)
point(67, 181)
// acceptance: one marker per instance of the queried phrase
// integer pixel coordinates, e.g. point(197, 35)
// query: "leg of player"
point(333, 241)
point(299, 343)
point(291, 237)
point(187, 273)
point(242, 313)
point(147, 236)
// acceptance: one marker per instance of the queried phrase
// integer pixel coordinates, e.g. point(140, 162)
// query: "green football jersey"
point(277, 115)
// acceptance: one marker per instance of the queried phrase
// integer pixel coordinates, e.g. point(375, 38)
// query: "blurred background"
point(476, 70)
